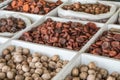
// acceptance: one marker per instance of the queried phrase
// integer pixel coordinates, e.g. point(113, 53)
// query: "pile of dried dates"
point(69, 35)
point(107, 45)
point(11, 24)
point(97, 8)
point(33, 6)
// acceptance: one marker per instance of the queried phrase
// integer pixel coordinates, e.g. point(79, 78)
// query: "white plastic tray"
point(52, 11)
point(45, 50)
point(3, 40)
point(109, 64)
point(55, 19)
point(5, 3)
point(32, 17)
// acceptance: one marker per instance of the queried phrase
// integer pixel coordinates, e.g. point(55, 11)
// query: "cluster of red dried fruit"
point(11, 24)
point(33, 6)
point(107, 45)
point(96, 8)
point(69, 35)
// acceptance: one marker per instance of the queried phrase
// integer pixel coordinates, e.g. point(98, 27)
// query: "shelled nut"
point(69, 35)
point(25, 66)
point(91, 74)
point(95, 9)
point(41, 7)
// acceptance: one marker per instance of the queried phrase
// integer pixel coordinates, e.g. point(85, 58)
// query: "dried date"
point(69, 35)
point(41, 7)
point(109, 45)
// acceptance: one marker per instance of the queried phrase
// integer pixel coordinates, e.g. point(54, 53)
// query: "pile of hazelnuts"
point(91, 72)
point(95, 9)
point(16, 63)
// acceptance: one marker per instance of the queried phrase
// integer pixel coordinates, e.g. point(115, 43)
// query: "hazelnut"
point(18, 58)
point(75, 72)
point(39, 71)
point(11, 48)
point(91, 72)
point(76, 78)
point(35, 59)
point(18, 66)
point(19, 77)
point(2, 75)
point(1, 65)
point(52, 65)
point(32, 64)
point(115, 74)
point(91, 77)
point(83, 68)
point(27, 74)
point(25, 68)
point(5, 68)
point(35, 75)
point(58, 70)
point(19, 49)
point(5, 52)
point(92, 65)
point(46, 76)
point(111, 78)
point(68, 78)
point(104, 73)
point(36, 54)
point(44, 58)
point(26, 51)
point(55, 58)
point(10, 75)
point(83, 75)
point(28, 78)
point(38, 65)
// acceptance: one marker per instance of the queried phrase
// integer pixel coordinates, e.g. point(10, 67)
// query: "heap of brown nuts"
point(91, 72)
point(107, 45)
point(69, 35)
point(11, 24)
point(95, 9)
point(33, 6)
point(16, 63)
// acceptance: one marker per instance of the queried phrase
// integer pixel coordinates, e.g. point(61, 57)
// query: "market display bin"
point(54, 19)
point(41, 49)
point(102, 62)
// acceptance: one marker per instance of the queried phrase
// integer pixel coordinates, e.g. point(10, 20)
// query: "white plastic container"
point(45, 50)
point(55, 19)
point(32, 17)
point(102, 62)
point(85, 16)
point(3, 40)
point(5, 2)
point(64, 1)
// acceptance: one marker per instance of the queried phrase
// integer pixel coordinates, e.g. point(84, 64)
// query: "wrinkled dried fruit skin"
point(11, 24)
point(88, 8)
point(41, 7)
point(109, 45)
point(69, 35)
